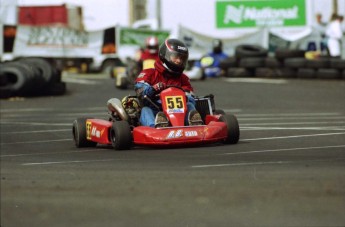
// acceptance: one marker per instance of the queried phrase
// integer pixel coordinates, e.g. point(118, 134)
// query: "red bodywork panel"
point(184, 135)
point(174, 105)
point(98, 130)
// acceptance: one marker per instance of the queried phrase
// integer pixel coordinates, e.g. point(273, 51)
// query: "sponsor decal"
point(237, 14)
point(173, 134)
point(88, 129)
point(96, 133)
point(175, 111)
point(141, 75)
point(190, 133)
point(174, 104)
point(181, 48)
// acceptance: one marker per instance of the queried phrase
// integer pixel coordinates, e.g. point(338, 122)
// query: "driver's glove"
point(160, 86)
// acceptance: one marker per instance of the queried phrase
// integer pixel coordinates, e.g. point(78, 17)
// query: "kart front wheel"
point(79, 134)
point(121, 135)
point(233, 128)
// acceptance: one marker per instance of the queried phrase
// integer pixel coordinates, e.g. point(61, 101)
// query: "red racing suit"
point(145, 54)
point(149, 77)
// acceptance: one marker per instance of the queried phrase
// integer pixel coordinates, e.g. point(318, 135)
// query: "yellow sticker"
point(174, 104)
point(88, 129)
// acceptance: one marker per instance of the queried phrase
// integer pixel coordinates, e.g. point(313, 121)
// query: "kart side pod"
point(114, 106)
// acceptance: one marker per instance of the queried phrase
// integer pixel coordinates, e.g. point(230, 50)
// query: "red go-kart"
point(122, 130)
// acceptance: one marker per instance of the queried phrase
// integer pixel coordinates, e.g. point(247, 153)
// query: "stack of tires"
point(30, 77)
point(253, 61)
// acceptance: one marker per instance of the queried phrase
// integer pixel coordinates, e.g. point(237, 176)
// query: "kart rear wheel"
point(233, 128)
point(121, 135)
point(79, 134)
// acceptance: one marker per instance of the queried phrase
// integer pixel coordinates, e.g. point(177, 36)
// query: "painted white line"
point(84, 114)
point(40, 141)
point(231, 110)
point(51, 153)
point(241, 164)
point(336, 128)
point(66, 162)
point(256, 80)
point(284, 149)
point(263, 163)
point(79, 81)
point(35, 123)
point(296, 136)
point(292, 114)
point(288, 118)
point(37, 131)
point(295, 123)
point(48, 109)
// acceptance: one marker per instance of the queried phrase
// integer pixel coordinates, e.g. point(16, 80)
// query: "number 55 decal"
point(174, 103)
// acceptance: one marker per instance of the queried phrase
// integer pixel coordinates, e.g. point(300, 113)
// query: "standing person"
point(320, 27)
point(210, 63)
point(168, 70)
point(334, 35)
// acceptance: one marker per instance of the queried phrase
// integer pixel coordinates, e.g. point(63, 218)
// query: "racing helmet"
point(174, 55)
point(152, 45)
point(217, 46)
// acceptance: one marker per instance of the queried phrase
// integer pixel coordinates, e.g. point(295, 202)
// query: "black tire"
point(286, 73)
point(121, 135)
point(328, 74)
point(46, 69)
point(337, 63)
point(233, 128)
point(295, 62)
point(247, 50)
point(318, 63)
point(306, 73)
point(271, 62)
point(228, 63)
point(266, 72)
point(239, 72)
point(252, 62)
point(14, 81)
point(79, 134)
point(282, 54)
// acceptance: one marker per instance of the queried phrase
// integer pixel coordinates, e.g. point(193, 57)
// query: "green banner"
point(245, 14)
point(136, 37)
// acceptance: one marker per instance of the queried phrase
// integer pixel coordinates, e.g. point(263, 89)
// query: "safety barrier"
point(30, 77)
point(253, 61)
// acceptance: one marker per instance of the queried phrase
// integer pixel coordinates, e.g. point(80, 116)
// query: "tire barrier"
point(30, 77)
point(253, 61)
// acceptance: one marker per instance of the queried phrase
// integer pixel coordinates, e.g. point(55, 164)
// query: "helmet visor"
point(177, 59)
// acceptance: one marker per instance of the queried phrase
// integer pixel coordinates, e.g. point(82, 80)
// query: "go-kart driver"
point(149, 53)
point(210, 63)
point(168, 70)
point(152, 48)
